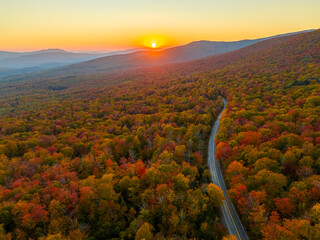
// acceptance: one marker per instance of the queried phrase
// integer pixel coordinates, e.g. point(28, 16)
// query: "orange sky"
point(105, 25)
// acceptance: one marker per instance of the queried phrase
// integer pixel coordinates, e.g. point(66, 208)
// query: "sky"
point(99, 25)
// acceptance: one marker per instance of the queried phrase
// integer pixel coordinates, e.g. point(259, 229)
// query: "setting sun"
point(155, 41)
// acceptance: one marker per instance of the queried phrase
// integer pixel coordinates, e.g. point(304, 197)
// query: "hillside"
point(97, 78)
point(132, 60)
point(123, 155)
point(143, 59)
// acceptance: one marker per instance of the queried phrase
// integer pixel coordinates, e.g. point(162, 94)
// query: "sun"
point(154, 41)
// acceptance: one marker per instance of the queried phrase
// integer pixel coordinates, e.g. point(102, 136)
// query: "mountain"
point(94, 74)
point(142, 59)
point(28, 62)
point(5, 54)
point(202, 49)
point(28, 59)
point(55, 63)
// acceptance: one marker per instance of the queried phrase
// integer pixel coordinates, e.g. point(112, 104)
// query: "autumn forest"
point(123, 155)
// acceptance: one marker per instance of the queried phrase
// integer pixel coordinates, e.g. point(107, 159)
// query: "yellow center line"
point(215, 169)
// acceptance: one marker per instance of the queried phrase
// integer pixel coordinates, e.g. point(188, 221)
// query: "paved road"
point(229, 213)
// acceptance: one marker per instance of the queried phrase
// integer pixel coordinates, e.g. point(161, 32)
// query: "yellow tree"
point(215, 195)
point(144, 232)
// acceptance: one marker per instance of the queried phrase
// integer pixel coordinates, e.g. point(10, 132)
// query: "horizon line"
point(137, 48)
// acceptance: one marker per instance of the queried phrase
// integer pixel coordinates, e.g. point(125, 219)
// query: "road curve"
point(229, 213)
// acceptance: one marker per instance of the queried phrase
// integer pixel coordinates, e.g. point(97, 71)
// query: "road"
point(229, 213)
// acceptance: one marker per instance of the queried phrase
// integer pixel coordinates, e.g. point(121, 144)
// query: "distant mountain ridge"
point(67, 63)
point(4, 55)
point(279, 53)
point(142, 59)
point(28, 62)
point(49, 50)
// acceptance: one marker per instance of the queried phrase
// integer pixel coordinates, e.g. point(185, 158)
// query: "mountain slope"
point(94, 75)
point(142, 59)
point(191, 51)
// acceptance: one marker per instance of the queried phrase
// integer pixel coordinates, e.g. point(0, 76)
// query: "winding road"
point(229, 213)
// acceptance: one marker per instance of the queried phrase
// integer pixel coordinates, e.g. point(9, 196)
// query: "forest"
point(126, 157)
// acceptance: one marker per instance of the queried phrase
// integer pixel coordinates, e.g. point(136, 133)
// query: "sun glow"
point(155, 41)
